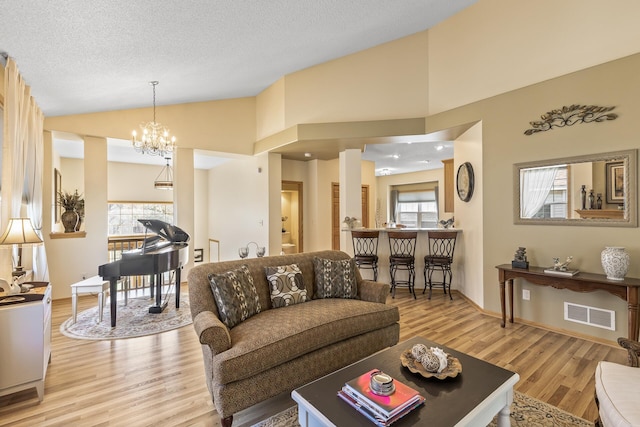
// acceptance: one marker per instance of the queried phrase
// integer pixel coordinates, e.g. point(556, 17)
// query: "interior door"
point(336, 222)
point(335, 216)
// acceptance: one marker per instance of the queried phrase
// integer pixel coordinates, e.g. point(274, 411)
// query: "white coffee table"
point(473, 398)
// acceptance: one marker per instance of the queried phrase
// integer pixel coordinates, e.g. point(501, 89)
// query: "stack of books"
point(382, 410)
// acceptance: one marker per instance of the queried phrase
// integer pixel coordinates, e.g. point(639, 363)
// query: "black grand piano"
point(168, 250)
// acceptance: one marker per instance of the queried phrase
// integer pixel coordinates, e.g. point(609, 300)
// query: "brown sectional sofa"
point(280, 349)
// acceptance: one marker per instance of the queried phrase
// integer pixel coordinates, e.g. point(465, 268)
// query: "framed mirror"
point(595, 190)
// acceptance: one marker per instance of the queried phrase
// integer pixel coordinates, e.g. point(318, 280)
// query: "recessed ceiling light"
point(426, 161)
point(439, 147)
point(307, 154)
point(395, 156)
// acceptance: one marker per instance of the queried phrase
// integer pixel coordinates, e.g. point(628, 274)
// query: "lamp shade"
point(19, 231)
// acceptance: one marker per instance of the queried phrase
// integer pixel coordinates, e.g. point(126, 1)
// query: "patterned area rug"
point(133, 320)
point(525, 412)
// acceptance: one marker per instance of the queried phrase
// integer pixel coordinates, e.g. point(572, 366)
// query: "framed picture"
point(615, 182)
point(57, 187)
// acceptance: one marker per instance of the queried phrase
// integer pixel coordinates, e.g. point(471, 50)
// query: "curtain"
point(535, 185)
point(34, 187)
point(393, 205)
point(22, 150)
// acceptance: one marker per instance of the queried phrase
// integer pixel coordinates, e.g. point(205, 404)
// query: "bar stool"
point(441, 246)
point(402, 249)
point(365, 250)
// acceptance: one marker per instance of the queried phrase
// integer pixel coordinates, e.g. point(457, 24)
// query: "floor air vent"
point(590, 316)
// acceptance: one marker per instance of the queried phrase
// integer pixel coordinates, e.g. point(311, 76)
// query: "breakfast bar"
point(422, 249)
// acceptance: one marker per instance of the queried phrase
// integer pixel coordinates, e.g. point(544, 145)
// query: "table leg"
point(74, 305)
point(503, 417)
point(113, 293)
point(632, 299)
point(504, 311)
point(510, 284)
point(178, 287)
point(100, 306)
point(159, 290)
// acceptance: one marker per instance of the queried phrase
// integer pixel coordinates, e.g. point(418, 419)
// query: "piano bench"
point(91, 285)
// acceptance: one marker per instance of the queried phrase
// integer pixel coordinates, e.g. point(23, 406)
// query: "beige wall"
point(270, 110)
point(227, 126)
point(495, 46)
point(238, 206)
point(504, 120)
point(469, 216)
point(71, 258)
point(121, 177)
point(386, 82)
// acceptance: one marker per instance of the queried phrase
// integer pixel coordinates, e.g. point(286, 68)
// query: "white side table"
point(91, 285)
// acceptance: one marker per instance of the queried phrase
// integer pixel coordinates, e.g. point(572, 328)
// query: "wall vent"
point(592, 316)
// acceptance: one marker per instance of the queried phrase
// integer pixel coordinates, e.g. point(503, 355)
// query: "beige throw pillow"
point(235, 295)
point(287, 286)
point(335, 278)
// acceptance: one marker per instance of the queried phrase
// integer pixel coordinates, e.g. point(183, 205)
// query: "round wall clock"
point(464, 181)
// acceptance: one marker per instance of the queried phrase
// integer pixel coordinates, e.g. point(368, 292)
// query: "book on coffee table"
point(375, 417)
point(386, 407)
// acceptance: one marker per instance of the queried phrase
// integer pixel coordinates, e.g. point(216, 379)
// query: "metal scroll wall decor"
point(569, 116)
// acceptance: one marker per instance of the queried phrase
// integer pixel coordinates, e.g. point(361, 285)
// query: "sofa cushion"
point(274, 337)
point(335, 278)
point(287, 285)
point(235, 295)
point(618, 392)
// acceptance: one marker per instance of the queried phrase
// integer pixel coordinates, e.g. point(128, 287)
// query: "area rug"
point(133, 320)
point(525, 412)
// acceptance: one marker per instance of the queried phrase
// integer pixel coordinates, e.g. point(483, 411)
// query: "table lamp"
point(18, 232)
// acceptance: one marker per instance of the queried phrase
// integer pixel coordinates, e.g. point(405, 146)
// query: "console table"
point(626, 289)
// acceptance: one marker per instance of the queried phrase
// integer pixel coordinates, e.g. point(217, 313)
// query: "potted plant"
point(73, 204)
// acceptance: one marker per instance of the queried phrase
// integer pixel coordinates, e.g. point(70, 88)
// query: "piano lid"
point(165, 230)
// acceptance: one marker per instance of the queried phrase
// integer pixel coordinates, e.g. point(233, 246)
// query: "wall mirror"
point(595, 190)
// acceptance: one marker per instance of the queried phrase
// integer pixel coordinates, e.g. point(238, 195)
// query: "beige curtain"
point(22, 151)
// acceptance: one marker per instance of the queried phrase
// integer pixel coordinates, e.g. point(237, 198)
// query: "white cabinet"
point(25, 342)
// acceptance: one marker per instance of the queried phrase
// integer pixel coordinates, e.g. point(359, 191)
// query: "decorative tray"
point(451, 371)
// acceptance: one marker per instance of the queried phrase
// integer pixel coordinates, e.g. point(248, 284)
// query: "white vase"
point(615, 262)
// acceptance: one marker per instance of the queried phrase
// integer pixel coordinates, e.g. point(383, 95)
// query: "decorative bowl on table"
point(410, 362)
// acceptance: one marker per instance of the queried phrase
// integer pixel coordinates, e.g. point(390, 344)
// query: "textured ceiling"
point(83, 56)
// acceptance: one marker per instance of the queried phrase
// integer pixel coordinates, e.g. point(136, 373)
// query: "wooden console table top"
point(626, 289)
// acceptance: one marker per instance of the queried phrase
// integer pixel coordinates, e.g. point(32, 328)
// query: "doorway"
point(291, 206)
point(336, 223)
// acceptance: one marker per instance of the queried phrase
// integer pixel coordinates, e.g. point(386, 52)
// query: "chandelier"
point(164, 181)
point(155, 138)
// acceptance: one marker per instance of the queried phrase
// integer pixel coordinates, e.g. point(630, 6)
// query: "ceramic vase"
point(615, 262)
point(69, 221)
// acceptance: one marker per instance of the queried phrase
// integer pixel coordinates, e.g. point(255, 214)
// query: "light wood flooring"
point(158, 380)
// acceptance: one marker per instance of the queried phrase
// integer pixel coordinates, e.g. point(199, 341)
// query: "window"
point(556, 203)
point(123, 216)
point(418, 209)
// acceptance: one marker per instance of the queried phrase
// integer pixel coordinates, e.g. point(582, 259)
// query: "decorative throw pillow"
point(335, 278)
point(287, 286)
point(235, 295)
